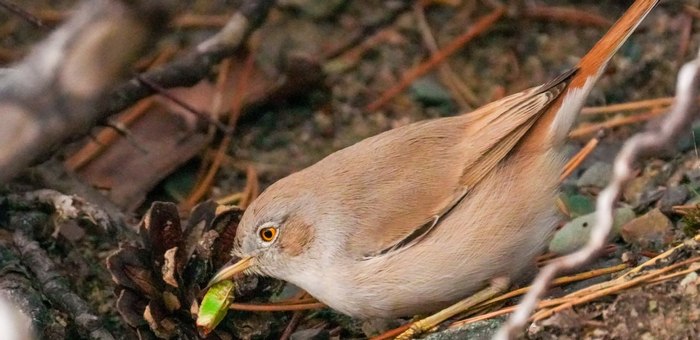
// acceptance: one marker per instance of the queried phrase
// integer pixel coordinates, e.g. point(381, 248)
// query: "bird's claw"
point(417, 328)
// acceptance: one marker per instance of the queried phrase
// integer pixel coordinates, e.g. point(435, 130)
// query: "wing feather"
point(393, 207)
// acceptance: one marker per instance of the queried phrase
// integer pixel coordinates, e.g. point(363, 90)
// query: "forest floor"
point(311, 89)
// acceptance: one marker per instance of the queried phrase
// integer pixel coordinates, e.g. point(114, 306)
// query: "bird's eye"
point(268, 234)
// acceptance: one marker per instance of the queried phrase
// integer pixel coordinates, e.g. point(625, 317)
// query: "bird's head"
point(275, 236)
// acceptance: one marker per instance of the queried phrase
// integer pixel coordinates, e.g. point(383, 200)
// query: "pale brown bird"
point(414, 219)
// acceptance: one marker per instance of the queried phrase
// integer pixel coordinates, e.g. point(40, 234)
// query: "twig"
point(684, 209)
point(252, 187)
point(249, 307)
point(692, 268)
point(392, 333)
point(559, 281)
point(230, 198)
point(366, 31)
point(352, 56)
point(575, 161)
point(627, 276)
point(217, 101)
point(296, 317)
point(64, 206)
point(607, 250)
point(645, 104)
point(16, 286)
point(302, 298)
point(694, 12)
point(479, 27)
point(204, 178)
point(486, 316)
point(217, 104)
point(56, 288)
point(194, 66)
point(630, 106)
point(585, 294)
point(107, 136)
point(7, 55)
point(203, 186)
point(123, 131)
point(460, 92)
point(577, 300)
point(163, 92)
point(568, 15)
point(54, 175)
point(684, 37)
point(22, 13)
point(70, 72)
point(654, 261)
point(683, 110)
point(183, 21)
point(615, 122)
point(189, 20)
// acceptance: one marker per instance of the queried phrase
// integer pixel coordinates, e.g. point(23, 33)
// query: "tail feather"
point(554, 125)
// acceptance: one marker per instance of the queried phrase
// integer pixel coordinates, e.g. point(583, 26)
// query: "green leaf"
point(214, 306)
point(578, 205)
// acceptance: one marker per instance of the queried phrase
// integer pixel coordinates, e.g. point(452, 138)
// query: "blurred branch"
point(16, 286)
point(49, 96)
point(56, 288)
point(392, 13)
point(197, 64)
point(683, 111)
point(572, 16)
point(72, 70)
point(477, 28)
point(19, 11)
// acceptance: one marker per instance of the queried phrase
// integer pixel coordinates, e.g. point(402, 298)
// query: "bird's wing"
point(401, 182)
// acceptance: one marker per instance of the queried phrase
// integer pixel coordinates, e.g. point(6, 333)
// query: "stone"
point(578, 205)
point(377, 326)
point(643, 190)
point(485, 329)
point(575, 234)
point(693, 175)
point(315, 9)
point(430, 92)
point(597, 176)
point(673, 196)
point(652, 230)
point(310, 334)
point(689, 140)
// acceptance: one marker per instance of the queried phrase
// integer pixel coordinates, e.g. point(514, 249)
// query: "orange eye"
point(268, 234)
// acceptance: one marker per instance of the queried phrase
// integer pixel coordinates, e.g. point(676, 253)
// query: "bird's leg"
point(497, 286)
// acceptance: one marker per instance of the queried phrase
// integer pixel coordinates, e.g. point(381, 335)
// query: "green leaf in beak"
point(214, 306)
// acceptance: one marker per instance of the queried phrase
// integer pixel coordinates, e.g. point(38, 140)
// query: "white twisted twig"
point(684, 108)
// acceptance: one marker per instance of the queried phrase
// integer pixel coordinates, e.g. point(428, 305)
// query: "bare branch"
point(56, 288)
point(48, 97)
point(641, 144)
point(22, 13)
point(189, 108)
point(16, 290)
point(194, 66)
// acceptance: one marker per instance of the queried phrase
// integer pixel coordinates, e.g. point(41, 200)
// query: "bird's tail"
point(553, 126)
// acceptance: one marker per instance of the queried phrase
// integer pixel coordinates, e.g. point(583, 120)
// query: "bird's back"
point(388, 186)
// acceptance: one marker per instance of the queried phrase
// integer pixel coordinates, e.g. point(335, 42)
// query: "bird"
point(436, 215)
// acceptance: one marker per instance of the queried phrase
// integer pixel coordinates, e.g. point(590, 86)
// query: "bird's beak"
point(230, 269)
